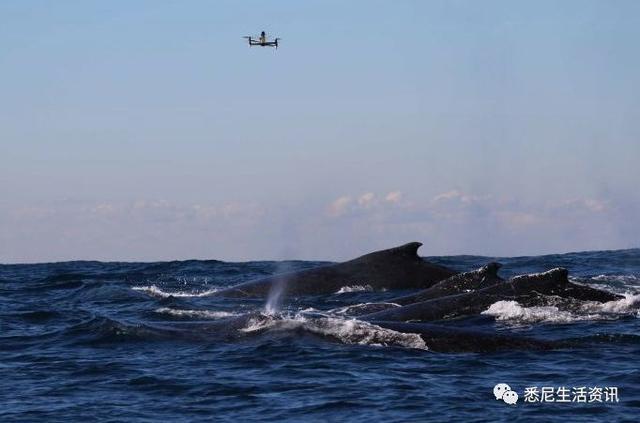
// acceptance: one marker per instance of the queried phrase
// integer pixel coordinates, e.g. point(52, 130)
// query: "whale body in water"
point(526, 288)
point(394, 268)
point(437, 338)
point(440, 338)
point(461, 283)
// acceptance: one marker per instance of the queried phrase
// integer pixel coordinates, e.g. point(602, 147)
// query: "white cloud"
point(364, 204)
point(448, 195)
point(339, 206)
point(105, 209)
point(454, 222)
point(366, 200)
point(590, 204)
point(393, 196)
point(458, 196)
point(458, 222)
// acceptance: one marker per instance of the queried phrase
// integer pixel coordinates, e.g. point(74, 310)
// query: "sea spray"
point(156, 291)
point(274, 299)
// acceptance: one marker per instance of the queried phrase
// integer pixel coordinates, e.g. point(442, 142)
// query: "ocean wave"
point(512, 311)
point(99, 329)
point(355, 288)
point(630, 304)
point(359, 309)
point(347, 331)
point(618, 283)
point(203, 314)
point(154, 291)
point(36, 316)
point(618, 278)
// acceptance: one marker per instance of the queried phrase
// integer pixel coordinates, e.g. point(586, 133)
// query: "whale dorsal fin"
point(558, 274)
point(409, 251)
point(561, 273)
point(491, 269)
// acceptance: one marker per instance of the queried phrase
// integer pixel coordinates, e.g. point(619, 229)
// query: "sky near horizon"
point(149, 130)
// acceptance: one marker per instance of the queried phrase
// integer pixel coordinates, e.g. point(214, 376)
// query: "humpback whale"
point(395, 268)
point(437, 338)
point(552, 282)
point(440, 338)
point(483, 277)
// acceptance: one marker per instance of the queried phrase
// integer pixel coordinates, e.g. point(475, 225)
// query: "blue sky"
point(148, 130)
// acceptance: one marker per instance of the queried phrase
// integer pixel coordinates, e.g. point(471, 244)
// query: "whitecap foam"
point(630, 304)
point(347, 331)
point(355, 288)
point(203, 314)
point(614, 287)
point(512, 311)
point(617, 283)
point(153, 290)
point(351, 331)
point(628, 279)
point(362, 308)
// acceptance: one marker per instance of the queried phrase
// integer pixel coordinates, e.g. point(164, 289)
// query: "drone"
point(262, 41)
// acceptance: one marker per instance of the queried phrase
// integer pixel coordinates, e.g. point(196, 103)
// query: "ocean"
point(132, 342)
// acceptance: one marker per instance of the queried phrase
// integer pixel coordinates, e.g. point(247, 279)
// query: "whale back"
point(552, 282)
point(480, 278)
point(394, 268)
point(406, 252)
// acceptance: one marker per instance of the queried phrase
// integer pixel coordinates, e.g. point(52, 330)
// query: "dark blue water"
point(130, 342)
